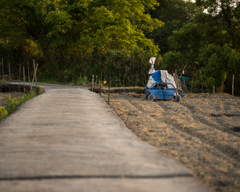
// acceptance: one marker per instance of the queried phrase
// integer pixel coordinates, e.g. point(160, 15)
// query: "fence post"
point(101, 84)
point(109, 90)
point(2, 70)
point(213, 89)
point(24, 79)
point(19, 77)
point(233, 85)
point(176, 78)
point(9, 69)
point(201, 79)
point(184, 85)
point(34, 67)
point(92, 81)
point(28, 74)
point(33, 77)
point(36, 76)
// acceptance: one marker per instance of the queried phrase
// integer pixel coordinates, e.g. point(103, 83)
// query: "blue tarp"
point(157, 76)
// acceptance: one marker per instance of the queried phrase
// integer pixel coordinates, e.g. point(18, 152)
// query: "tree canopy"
point(80, 37)
point(80, 24)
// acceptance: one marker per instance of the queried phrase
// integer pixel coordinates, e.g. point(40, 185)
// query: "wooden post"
point(184, 85)
point(92, 81)
point(192, 83)
point(33, 78)
point(36, 76)
point(1, 83)
point(28, 74)
point(19, 77)
point(213, 89)
point(2, 70)
point(109, 90)
point(176, 78)
point(101, 84)
point(201, 79)
point(34, 68)
point(24, 79)
point(233, 85)
point(9, 69)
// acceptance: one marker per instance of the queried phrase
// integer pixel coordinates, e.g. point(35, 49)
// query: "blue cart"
point(162, 91)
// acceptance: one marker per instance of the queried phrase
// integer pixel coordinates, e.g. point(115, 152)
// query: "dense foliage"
point(77, 38)
point(209, 42)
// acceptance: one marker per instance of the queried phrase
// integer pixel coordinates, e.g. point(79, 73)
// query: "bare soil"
point(3, 97)
point(202, 132)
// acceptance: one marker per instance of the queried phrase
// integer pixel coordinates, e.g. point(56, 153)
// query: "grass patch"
point(15, 102)
point(138, 90)
point(52, 81)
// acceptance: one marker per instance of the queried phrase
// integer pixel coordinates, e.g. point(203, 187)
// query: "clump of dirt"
point(3, 97)
point(201, 131)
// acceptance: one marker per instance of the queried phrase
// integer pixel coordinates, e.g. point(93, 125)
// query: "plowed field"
point(202, 132)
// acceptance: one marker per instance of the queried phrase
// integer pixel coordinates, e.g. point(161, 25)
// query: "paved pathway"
point(68, 139)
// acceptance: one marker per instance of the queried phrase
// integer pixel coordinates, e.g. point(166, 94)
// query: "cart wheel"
point(151, 97)
point(177, 98)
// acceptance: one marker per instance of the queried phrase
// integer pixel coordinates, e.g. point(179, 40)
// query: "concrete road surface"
point(68, 139)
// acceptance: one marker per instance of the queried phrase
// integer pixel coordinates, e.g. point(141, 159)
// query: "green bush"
point(3, 113)
point(82, 80)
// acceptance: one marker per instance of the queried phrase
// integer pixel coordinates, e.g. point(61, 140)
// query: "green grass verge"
point(52, 81)
point(14, 103)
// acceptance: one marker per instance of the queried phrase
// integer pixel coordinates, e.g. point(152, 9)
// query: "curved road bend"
point(68, 139)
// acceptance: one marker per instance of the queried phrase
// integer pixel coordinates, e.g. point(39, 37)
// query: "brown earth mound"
point(202, 132)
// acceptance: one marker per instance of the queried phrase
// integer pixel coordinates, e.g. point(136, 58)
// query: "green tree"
point(228, 14)
point(174, 13)
point(82, 24)
point(173, 61)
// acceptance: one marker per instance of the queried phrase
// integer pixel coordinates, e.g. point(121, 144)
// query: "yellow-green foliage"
point(3, 112)
point(15, 102)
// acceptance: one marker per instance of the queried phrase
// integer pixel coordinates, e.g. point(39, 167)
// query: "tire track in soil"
point(178, 131)
point(227, 149)
point(215, 168)
point(216, 122)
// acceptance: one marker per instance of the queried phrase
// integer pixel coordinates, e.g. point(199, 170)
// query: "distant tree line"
point(77, 38)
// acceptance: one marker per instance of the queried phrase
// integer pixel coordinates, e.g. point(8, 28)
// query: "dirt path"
point(201, 131)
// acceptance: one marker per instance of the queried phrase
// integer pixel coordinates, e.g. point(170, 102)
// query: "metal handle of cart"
point(163, 84)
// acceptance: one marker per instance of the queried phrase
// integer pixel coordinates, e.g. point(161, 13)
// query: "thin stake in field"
point(101, 84)
point(233, 85)
point(92, 81)
point(176, 78)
